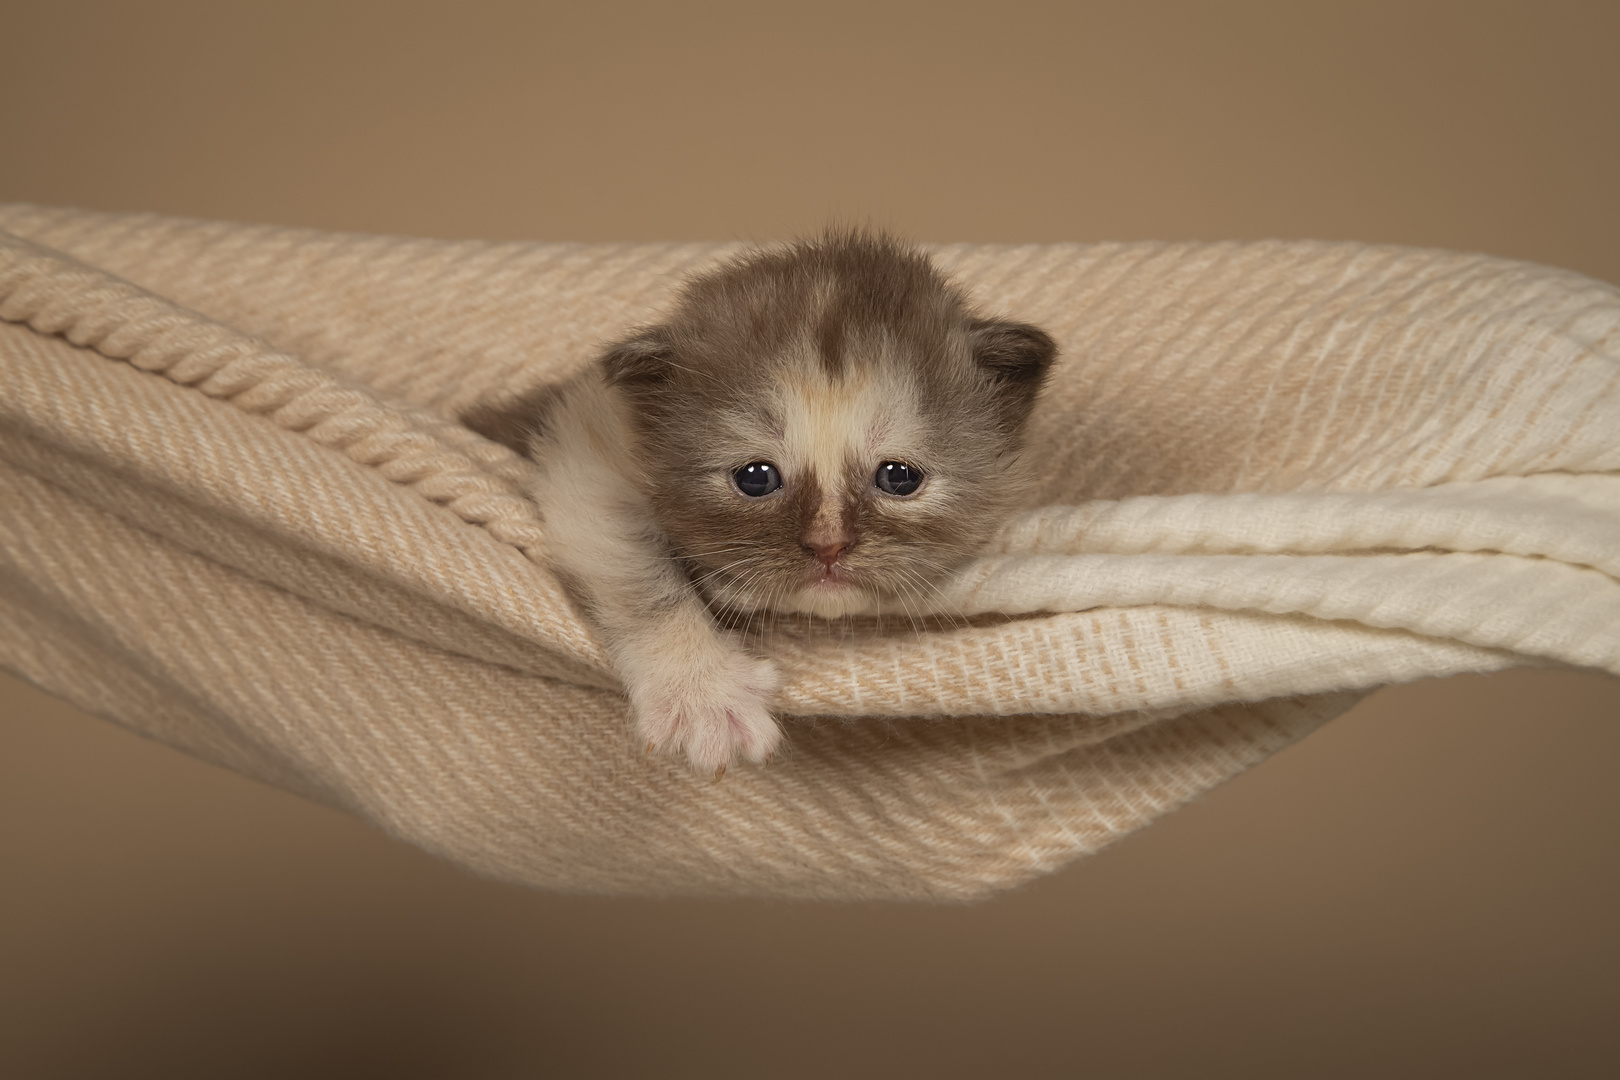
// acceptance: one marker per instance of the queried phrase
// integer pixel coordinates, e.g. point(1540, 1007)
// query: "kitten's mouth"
point(834, 577)
point(828, 591)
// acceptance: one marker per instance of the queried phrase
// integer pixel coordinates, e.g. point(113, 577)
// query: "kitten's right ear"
point(1017, 358)
point(647, 356)
point(512, 420)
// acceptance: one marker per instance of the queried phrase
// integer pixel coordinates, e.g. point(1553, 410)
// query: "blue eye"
point(757, 479)
point(898, 478)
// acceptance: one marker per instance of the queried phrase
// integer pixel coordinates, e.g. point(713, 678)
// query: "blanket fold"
point(239, 517)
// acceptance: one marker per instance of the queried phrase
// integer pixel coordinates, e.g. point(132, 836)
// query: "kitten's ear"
point(514, 419)
point(1017, 357)
point(647, 356)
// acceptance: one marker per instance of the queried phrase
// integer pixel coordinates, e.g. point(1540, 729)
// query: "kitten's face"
point(829, 429)
point(831, 495)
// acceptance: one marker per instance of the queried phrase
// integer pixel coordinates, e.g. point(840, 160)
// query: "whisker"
point(921, 587)
point(727, 568)
point(744, 587)
point(916, 628)
point(741, 545)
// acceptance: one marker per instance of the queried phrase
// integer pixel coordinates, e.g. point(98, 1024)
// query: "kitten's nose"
point(828, 553)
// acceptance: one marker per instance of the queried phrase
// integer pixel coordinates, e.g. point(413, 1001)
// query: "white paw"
point(714, 707)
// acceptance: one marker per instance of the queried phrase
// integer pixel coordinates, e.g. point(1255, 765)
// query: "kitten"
point(826, 427)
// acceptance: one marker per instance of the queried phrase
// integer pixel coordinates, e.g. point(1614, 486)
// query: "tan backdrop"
point(1427, 887)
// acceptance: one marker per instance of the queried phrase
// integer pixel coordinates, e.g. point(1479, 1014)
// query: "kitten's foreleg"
point(692, 687)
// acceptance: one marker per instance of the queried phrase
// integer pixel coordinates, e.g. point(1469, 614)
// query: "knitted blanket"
point(237, 516)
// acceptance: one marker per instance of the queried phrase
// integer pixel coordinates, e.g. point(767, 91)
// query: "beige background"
point(1427, 887)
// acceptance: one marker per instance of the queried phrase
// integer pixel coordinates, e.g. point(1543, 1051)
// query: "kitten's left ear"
point(1017, 357)
point(640, 359)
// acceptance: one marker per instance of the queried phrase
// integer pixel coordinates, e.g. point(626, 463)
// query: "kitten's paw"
point(713, 709)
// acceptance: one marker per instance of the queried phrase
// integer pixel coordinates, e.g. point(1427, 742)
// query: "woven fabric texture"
point(237, 516)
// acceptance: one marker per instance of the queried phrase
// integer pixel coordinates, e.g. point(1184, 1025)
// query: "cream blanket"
point(238, 518)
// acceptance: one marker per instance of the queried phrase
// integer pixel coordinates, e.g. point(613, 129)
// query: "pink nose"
point(828, 553)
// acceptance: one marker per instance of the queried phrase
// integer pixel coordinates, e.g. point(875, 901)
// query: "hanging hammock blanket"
point(238, 516)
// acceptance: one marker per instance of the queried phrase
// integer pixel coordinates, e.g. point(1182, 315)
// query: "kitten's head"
point(828, 427)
